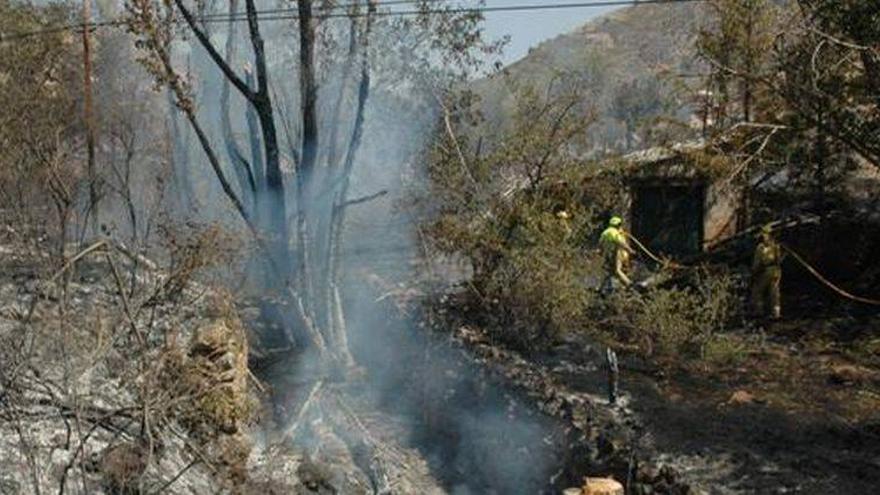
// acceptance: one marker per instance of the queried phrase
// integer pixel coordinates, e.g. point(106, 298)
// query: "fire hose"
point(827, 283)
point(664, 262)
point(821, 278)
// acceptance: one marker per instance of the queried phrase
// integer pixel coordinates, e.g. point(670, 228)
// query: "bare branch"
point(447, 122)
point(259, 50)
point(751, 158)
point(362, 199)
point(214, 54)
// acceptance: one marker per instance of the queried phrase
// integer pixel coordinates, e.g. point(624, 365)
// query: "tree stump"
point(601, 486)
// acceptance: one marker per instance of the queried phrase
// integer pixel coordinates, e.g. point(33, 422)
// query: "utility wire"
point(290, 14)
point(281, 14)
point(265, 14)
point(318, 11)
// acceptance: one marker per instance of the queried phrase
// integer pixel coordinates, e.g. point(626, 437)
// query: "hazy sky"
point(528, 28)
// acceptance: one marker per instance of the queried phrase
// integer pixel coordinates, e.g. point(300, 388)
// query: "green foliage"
point(518, 214)
point(726, 350)
point(737, 48)
point(539, 277)
point(530, 268)
point(526, 215)
point(803, 76)
point(678, 322)
point(829, 70)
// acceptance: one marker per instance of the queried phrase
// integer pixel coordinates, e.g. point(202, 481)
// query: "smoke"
point(476, 436)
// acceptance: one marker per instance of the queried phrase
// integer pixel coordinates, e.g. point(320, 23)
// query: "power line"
point(281, 14)
point(287, 10)
point(290, 14)
point(266, 14)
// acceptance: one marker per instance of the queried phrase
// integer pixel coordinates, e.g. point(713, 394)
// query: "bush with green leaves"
point(527, 215)
point(680, 321)
point(519, 214)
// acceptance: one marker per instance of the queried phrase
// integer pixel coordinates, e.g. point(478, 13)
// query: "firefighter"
point(767, 275)
point(615, 254)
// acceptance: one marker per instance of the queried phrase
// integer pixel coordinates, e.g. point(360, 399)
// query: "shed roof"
point(666, 162)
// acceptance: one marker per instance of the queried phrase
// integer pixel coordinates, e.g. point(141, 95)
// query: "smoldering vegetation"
point(476, 436)
point(298, 214)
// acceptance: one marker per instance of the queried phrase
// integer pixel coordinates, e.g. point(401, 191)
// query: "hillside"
point(630, 63)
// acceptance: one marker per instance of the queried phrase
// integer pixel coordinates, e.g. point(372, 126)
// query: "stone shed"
point(677, 206)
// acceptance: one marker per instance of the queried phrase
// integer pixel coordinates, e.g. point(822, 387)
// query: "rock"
point(601, 486)
point(740, 397)
point(572, 491)
point(216, 372)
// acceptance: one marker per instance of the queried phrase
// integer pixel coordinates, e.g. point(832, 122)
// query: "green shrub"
point(725, 350)
point(501, 208)
point(680, 321)
point(539, 280)
point(527, 214)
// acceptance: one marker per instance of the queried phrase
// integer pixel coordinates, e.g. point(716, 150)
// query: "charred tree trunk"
point(271, 233)
point(323, 202)
point(275, 225)
point(336, 114)
point(274, 197)
point(308, 148)
point(309, 275)
point(313, 209)
point(341, 203)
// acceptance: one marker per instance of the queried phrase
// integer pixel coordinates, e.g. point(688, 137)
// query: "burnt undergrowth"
point(477, 434)
point(486, 419)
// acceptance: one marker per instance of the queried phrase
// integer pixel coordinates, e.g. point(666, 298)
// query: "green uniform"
point(615, 251)
point(767, 277)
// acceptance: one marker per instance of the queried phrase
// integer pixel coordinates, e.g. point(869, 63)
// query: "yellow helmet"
point(615, 221)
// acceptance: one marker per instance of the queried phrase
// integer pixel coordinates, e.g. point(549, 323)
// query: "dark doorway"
point(669, 218)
